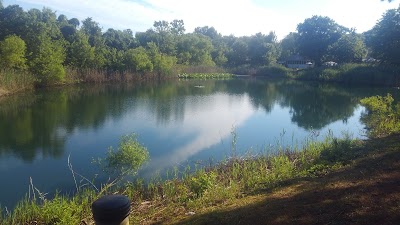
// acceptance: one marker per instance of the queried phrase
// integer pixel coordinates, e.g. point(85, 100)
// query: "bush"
point(382, 117)
point(127, 159)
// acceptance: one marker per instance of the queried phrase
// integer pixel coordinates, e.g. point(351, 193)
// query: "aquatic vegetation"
point(205, 75)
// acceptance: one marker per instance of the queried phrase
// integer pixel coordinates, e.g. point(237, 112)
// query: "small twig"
point(84, 178)
point(32, 188)
point(73, 173)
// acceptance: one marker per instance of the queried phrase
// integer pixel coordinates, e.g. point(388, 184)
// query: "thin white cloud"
point(239, 17)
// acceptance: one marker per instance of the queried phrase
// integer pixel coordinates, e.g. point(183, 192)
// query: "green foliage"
point(383, 116)
point(384, 37)
point(349, 48)
point(12, 53)
point(193, 49)
point(288, 45)
point(316, 34)
point(202, 181)
point(138, 60)
point(163, 64)
point(47, 61)
point(351, 73)
point(127, 159)
point(274, 70)
point(80, 53)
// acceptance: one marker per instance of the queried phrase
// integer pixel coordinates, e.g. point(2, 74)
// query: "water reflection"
point(32, 125)
point(209, 120)
point(175, 120)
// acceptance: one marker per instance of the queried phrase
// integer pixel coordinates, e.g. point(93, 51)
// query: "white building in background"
point(298, 62)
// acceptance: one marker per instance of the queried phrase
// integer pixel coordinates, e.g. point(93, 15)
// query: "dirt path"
point(367, 192)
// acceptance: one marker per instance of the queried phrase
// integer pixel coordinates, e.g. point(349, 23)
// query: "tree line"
point(45, 44)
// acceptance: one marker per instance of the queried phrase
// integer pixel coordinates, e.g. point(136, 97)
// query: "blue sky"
point(237, 17)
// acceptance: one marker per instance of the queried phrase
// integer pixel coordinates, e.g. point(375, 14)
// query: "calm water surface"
point(178, 122)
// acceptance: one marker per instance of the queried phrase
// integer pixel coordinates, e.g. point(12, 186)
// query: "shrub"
point(382, 117)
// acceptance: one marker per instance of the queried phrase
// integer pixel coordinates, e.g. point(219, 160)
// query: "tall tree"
point(262, 49)
point(194, 49)
point(316, 34)
point(384, 37)
point(93, 30)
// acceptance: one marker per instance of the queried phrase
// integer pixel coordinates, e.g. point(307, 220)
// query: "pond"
point(180, 122)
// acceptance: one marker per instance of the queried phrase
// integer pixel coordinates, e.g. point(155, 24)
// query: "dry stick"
point(72, 171)
point(32, 188)
point(42, 196)
point(83, 177)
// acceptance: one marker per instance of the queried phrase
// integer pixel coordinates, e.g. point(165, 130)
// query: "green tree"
point(74, 22)
point(121, 40)
point(261, 48)
point(13, 20)
point(163, 64)
point(349, 48)
point(127, 159)
point(12, 53)
point(93, 30)
point(79, 53)
point(288, 45)
point(47, 60)
point(210, 32)
point(164, 37)
point(239, 53)
point(138, 60)
point(383, 39)
point(194, 49)
point(316, 34)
